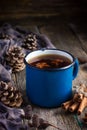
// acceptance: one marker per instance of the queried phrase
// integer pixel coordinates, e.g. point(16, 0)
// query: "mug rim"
point(50, 69)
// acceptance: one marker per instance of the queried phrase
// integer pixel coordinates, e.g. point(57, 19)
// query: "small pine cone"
point(30, 42)
point(15, 58)
point(9, 95)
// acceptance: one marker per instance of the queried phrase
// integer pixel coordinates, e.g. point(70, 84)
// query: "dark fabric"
point(10, 118)
point(4, 74)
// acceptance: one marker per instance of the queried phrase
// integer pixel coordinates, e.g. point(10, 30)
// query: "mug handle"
point(76, 68)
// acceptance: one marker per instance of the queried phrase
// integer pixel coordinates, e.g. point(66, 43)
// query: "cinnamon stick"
point(80, 97)
point(66, 104)
point(73, 107)
point(75, 97)
point(83, 104)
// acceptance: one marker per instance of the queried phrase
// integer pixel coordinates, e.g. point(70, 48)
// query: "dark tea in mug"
point(50, 61)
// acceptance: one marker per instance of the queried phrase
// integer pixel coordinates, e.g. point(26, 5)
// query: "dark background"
point(23, 10)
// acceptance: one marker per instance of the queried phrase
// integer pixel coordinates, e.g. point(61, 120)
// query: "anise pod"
point(28, 112)
point(35, 121)
point(44, 124)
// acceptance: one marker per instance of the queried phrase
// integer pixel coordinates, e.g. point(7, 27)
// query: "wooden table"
point(72, 38)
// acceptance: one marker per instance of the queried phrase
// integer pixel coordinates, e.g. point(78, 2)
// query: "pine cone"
point(30, 42)
point(15, 58)
point(9, 95)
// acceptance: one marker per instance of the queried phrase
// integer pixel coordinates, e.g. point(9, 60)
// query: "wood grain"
point(12, 9)
point(63, 38)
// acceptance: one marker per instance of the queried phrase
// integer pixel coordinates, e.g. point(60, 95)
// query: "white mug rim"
point(46, 51)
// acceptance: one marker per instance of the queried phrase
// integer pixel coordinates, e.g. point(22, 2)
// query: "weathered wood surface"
point(19, 9)
point(63, 36)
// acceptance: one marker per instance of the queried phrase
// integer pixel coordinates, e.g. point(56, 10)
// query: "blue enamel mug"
point(53, 86)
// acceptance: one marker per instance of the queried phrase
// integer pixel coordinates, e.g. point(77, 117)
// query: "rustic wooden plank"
point(25, 8)
point(62, 37)
point(82, 76)
point(80, 30)
point(27, 5)
point(29, 21)
point(23, 15)
point(59, 117)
